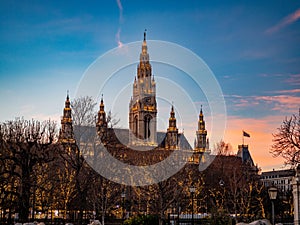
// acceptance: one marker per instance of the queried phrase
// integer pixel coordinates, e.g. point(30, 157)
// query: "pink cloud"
point(283, 103)
point(118, 38)
point(260, 130)
point(293, 79)
point(284, 22)
point(292, 91)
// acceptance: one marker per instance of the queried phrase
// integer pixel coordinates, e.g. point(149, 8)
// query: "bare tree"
point(83, 111)
point(222, 148)
point(25, 146)
point(286, 142)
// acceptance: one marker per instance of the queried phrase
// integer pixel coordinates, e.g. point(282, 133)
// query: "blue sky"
point(252, 47)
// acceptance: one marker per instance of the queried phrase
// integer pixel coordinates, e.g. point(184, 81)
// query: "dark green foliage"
point(142, 220)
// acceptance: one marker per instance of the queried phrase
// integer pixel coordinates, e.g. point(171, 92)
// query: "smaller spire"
point(201, 114)
point(67, 102)
point(201, 122)
point(101, 104)
point(145, 34)
point(172, 111)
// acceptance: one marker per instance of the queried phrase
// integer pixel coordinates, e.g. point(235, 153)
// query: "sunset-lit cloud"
point(293, 79)
point(284, 22)
point(292, 91)
point(260, 140)
point(283, 103)
point(118, 38)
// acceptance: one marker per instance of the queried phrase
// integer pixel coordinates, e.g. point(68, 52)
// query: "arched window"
point(147, 120)
point(135, 126)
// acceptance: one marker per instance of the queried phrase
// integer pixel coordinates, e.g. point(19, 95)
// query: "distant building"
point(282, 179)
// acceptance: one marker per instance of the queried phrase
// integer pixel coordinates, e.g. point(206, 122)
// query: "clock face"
point(147, 100)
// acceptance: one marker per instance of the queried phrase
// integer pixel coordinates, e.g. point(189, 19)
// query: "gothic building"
point(142, 118)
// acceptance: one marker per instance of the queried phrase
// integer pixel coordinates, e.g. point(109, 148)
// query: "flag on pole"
point(245, 134)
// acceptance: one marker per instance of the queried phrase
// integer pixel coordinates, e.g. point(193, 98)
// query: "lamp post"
point(192, 191)
point(123, 196)
point(272, 194)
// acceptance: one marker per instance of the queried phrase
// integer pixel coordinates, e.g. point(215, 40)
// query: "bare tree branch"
point(286, 142)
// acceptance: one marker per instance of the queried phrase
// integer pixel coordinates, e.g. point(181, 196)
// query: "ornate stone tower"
point(142, 106)
point(66, 134)
point(101, 124)
point(171, 141)
point(201, 143)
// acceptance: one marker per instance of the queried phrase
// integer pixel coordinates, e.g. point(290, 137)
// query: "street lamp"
point(192, 191)
point(272, 194)
point(123, 196)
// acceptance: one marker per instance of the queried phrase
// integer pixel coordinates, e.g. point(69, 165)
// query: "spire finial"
point(145, 34)
point(101, 103)
point(67, 94)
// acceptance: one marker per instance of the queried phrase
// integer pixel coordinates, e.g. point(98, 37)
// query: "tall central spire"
point(142, 107)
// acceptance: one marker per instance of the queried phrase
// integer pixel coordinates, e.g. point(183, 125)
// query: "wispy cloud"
point(255, 54)
point(293, 79)
point(282, 103)
point(118, 38)
point(284, 22)
point(118, 34)
point(292, 91)
point(120, 11)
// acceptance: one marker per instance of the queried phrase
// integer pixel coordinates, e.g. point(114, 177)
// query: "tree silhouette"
point(286, 142)
point(26, 145)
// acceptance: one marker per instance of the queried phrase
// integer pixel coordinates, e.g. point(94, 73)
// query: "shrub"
point(142, 220)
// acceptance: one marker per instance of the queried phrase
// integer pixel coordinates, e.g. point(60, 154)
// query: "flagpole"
point(243, 137)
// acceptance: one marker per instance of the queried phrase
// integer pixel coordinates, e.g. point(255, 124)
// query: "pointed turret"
point(201, 142)
point(171, 141)
point(66, 134)
point(101, 121)
point(201, 133)
point(172, 120)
